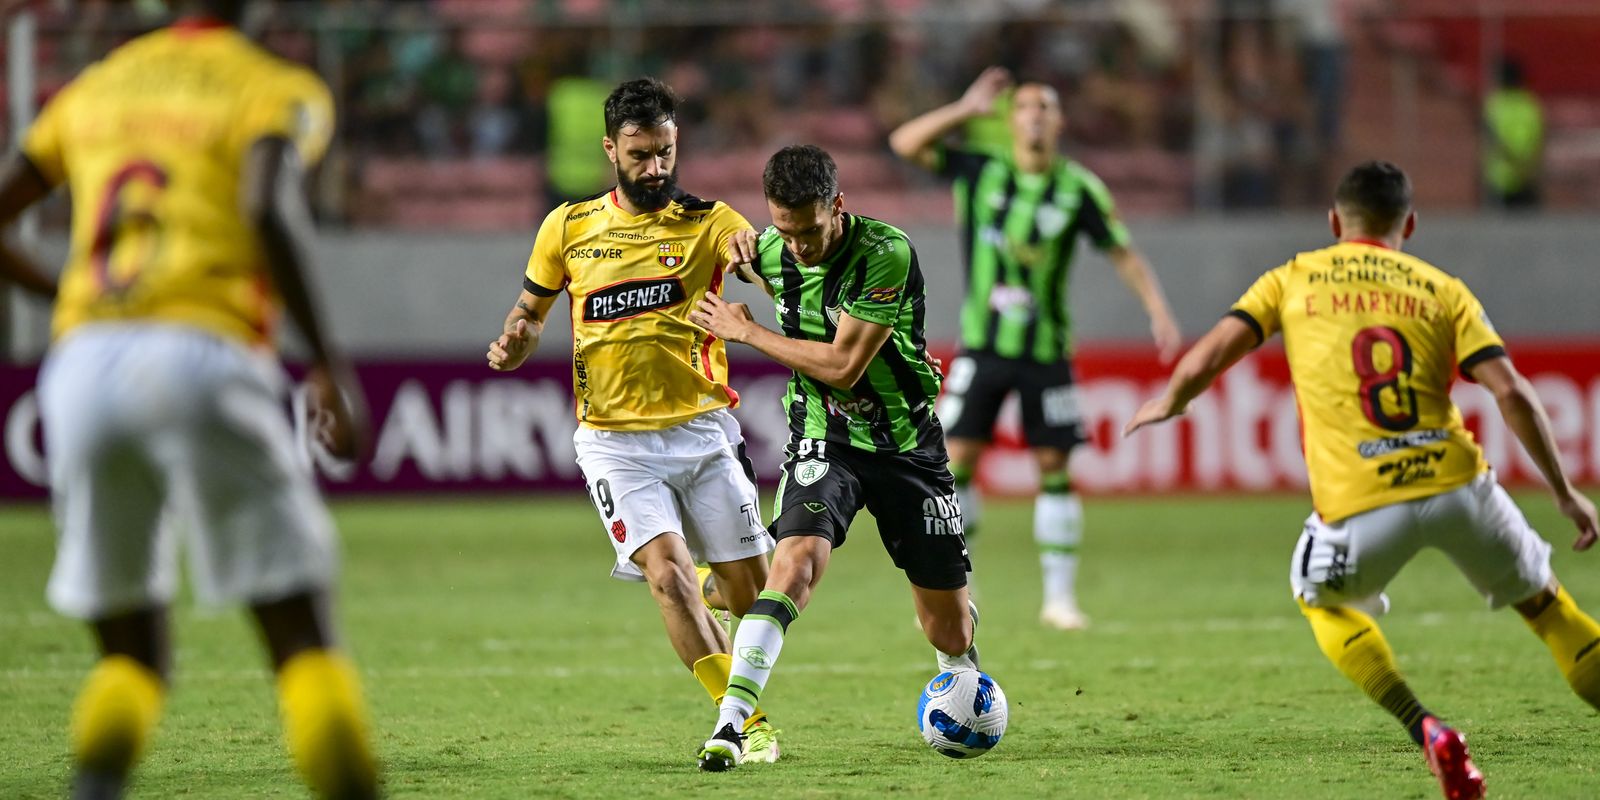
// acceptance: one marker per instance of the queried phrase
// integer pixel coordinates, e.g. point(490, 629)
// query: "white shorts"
point(151, 429)
point(690, 480)
point(1478, 526)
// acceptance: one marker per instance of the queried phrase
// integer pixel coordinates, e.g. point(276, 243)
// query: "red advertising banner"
point(445, 427)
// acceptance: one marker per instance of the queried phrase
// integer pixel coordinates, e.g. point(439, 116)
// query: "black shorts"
point(911, 495)
point(979, 382)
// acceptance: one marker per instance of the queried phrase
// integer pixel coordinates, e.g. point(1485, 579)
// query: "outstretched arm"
point(520, 335)
point(22, 185)
point(839, 363)
point(1525, 415)
point(1227, 342)
point(1140, 279)
point(914, 141)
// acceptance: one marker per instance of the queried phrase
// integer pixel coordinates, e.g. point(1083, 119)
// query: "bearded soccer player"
point(862, 432)
point(185, 151)
point(1374, 338)
point(661, 453)
point(1021, 214)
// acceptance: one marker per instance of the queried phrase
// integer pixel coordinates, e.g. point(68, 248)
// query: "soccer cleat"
point(967, 660)
point(722, 751)
point(1063, 617)
point(761, 742)
point(1446, 751)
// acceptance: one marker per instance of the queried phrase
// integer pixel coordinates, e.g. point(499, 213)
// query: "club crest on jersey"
point(631, 298)
point(671, 254)
point(809, 472)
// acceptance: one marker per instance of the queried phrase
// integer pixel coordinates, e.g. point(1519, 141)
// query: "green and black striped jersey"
point(1018, 234)
point(873, 277)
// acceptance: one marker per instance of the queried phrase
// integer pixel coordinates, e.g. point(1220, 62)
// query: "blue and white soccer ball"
point(962, 713)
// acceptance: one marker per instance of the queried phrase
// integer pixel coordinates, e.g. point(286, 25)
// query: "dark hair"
point(1511, 76)
point(800, 175)
point(1376, 195)
point(645, 102)
point(229, 11)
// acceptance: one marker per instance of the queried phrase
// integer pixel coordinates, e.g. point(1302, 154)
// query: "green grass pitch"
point(500, 661)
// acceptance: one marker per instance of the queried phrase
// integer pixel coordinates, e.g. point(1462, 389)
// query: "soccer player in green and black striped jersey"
point(1021, 214)
point(862, 430)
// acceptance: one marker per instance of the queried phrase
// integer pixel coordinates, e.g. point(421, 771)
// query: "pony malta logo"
point(670, 254)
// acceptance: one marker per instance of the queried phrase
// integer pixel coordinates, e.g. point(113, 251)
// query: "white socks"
point(1058, 530)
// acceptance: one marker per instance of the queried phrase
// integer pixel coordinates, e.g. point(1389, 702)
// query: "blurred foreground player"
point(184, 152)
point(662, 455)
point(1374, 339)
point(1021, 213)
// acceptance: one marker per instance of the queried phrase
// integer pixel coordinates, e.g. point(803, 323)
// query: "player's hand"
point(1580, 510)
point(512, 348)
point(732, 322)
point(338, 410)
point(933, 361)
point(980, 97)
point(1160, 409)
point(1169, 340)
point(741, 250)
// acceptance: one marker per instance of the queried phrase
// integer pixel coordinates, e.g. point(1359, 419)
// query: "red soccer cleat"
point(1446, 751)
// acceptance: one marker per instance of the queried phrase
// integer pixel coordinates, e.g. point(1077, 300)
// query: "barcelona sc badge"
point(671, 254)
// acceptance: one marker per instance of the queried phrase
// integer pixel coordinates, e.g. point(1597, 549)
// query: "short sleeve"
point(546, 274)
point(954, 162)
point(1098, 214)
point(295, 105)
point(1261, 305)
point(880, 294)
point(1475, 338)
point(45, 143)
point(728, 222)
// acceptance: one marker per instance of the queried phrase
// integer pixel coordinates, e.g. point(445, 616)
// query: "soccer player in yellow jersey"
point(661, 454)
point(184, 151)
point(1374, 338)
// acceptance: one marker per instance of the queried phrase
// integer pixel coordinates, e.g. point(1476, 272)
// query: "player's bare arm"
point(915, 140)
point(520, 335)
point(1227, 342)
point(275, 204)
point(839, 363)
point(741, 258)
point(1140, 279)
point(22, 185)
point(1526, 417)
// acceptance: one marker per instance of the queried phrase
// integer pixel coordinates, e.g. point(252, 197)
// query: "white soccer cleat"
point(1063, 617)
point(722, 751)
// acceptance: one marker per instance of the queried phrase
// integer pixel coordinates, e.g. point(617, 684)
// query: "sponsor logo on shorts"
point(809, 472)
point(1375, 448)
point(629, 299)
point(619, 531)
point(756, 657)
point(941, 515)
point(815, 508)
point(752, 539)
point(1411, 469)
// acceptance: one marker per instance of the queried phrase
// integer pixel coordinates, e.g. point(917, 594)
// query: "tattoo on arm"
point(524, 308)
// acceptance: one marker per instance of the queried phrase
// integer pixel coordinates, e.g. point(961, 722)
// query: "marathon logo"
point(629, 299)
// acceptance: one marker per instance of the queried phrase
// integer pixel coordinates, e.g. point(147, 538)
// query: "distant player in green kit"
point(1021, 214)
point(862, 430)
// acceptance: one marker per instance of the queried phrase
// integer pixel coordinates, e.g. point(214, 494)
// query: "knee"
point(952, 637)
point(672, 583)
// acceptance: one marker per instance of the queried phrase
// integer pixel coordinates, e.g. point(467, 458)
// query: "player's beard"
point(647, 195)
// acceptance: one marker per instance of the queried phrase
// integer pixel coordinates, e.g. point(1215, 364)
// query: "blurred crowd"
point(1196, 103)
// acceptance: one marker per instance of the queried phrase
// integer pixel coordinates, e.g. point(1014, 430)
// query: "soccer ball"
point(962, 713)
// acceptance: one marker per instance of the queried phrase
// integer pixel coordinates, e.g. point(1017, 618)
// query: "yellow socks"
point(1353, 642)
point(116, 710)
point(712, 672)
point(1574, 641)
point(320, 699)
